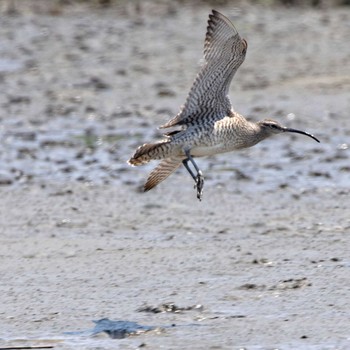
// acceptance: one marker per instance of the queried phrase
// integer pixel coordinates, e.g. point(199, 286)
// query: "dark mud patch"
point(169, 307)
point(116, 329)
point(291, 283)
point(120, 329)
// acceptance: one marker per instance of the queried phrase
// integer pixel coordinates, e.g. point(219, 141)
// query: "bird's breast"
point(225, 135)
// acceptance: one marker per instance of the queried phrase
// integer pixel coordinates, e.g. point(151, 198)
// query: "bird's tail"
point(161, 172)
point(150, 151)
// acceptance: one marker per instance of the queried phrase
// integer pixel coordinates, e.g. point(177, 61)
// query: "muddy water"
point(266, 253)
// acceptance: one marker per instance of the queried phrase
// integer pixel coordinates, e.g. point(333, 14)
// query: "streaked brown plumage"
point(207, 123)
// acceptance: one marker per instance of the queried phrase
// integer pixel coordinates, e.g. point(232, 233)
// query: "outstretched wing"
point(224, 52)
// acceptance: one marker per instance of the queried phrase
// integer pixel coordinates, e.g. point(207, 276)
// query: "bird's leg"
point(185, 163)
point(199, 178)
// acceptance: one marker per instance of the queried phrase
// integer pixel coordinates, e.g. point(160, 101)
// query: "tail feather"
point(149, 151)
point(161, 172)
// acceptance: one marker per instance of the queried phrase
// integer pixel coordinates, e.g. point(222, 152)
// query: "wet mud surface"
point(262, 262)
point(115, 329)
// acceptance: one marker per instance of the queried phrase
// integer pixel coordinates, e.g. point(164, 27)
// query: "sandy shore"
point(263, 259)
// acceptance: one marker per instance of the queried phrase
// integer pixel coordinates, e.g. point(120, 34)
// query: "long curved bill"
point(301, 132)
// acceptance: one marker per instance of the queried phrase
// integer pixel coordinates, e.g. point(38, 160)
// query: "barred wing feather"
point(224, 52)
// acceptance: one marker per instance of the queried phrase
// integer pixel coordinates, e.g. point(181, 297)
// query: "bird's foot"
point(199, 185)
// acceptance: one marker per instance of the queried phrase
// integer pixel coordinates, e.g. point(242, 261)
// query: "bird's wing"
point(224, 52)
point(162, 171)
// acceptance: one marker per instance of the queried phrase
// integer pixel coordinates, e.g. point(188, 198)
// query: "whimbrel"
point(207, 124)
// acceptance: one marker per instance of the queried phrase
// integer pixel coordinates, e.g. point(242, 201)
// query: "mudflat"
point(261, 263)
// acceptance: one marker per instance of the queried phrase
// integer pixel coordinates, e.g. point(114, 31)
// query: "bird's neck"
point(254, 133)
point(250, 133)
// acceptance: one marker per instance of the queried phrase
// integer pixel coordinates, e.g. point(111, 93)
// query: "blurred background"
point(85, 82)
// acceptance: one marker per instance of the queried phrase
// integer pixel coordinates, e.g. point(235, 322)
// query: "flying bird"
point(207, 124)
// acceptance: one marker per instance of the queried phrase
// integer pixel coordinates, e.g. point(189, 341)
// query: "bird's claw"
point(199, 185)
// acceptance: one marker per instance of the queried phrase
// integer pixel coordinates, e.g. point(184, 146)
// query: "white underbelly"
point(202, 151)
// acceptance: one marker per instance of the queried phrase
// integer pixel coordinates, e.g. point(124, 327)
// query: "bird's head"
point(270, 127)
